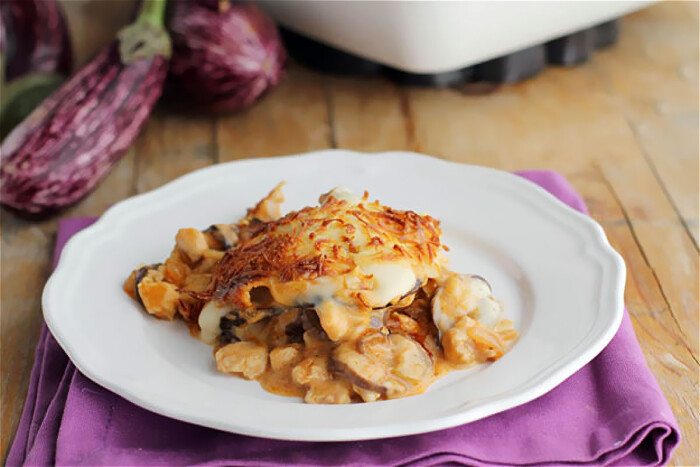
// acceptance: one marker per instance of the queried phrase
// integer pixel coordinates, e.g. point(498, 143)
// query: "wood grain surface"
point(623, 129)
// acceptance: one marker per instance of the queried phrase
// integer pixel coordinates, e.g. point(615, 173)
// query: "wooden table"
point(623, 129)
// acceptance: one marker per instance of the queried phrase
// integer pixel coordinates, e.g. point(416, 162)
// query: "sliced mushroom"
point(419, 310)
point(480, 278)
point(230, 321)
point(227, 337)
point(208, 261)
point(227, 324)
point(383, 364)
point(376, 346)
point(366, 394)
point(360, 370)
point(225, 235)
point(256, 315)
point(411, 361)
point(295, 330)
point(250, 229)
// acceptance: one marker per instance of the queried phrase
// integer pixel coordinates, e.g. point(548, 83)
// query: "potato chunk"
point(159, 298)
point(192, 243)
point(311, 369)
point(334, 319)
point(175, 270)
point(458, 347)
point(245, 358)
point(327, 392)
point(283, 356)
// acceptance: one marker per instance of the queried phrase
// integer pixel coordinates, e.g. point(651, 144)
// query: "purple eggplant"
point(37, 38)
point(3, 49)
point(3, 43)
point(68, 144)
point(225, 55)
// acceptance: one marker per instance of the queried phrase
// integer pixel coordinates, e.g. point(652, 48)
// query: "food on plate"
point(346, 301)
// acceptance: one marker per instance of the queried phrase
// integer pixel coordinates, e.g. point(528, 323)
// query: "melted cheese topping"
point(378, 284)
point(360, 253)
point(345, 258)
point(209, 321)
point(390, 282)
point(340, 193)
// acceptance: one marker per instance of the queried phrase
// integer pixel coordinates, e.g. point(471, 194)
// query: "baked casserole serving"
point(347, 301)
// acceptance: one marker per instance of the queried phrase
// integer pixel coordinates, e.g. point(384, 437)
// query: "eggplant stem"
point(146, 37)
point(152, 11)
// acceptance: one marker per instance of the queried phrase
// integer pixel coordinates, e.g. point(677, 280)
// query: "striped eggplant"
point(37, 38)
point(225, 55)
point(3, 49)
point(68, 144)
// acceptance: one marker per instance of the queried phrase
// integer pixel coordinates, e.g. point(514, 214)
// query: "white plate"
point(560, 281)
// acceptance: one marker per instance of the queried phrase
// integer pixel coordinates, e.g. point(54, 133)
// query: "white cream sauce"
point(209, 321)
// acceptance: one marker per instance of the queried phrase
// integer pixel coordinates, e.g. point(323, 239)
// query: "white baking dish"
point(439, 36)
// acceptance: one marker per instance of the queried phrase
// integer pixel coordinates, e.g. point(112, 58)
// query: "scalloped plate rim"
point(597, 242)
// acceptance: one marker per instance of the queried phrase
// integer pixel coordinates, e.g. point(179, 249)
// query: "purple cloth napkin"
point(610, 412)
